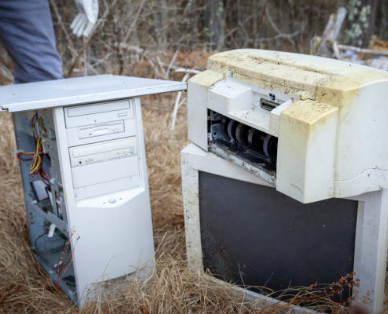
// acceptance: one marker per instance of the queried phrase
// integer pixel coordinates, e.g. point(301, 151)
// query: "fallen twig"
point(5, 294)
point(363, 50)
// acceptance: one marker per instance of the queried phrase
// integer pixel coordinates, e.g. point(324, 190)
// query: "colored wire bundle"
point(36, 168)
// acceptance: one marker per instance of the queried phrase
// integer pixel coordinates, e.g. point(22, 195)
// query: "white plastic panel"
point(105, 171)
point(96, 114)
point(124, 148)
point(80, 90)
point(242, 102)
point(100, 122)
point(101, 129)
point(112, 240)
point(104, 107)
point(103, 162)
point(101, 132)
point(106, 188)
point(305, 158)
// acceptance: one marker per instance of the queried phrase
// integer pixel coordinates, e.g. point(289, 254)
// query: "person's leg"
point(26, 32)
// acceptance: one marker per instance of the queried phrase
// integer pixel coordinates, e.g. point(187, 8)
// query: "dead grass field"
point(26, 288)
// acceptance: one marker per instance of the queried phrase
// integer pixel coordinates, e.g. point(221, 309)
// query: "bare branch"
point(64, 29)
point(171, 63)
point(89, 39)
point(363, 50)
point(134, 22)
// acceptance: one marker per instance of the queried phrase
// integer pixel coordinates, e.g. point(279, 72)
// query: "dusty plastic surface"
point(330, 123)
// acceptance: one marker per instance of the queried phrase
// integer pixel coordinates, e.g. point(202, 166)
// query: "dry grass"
point(26, 288)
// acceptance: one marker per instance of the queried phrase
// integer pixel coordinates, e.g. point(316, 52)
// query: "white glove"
point(83, 23)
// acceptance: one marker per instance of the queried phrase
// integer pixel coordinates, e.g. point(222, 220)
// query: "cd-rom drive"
point(104, 162)
point(101, 152)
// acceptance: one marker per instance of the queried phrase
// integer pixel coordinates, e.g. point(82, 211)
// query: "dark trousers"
point(26, 31)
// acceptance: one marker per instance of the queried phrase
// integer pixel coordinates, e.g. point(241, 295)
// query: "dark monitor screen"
point(253, 235)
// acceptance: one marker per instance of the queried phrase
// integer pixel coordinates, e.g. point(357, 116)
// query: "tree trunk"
point(360, 22)
point(215, 24)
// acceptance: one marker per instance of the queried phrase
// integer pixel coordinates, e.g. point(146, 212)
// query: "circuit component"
point(39, 190)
